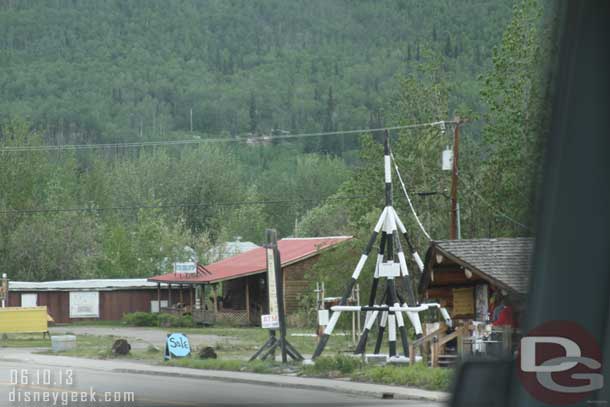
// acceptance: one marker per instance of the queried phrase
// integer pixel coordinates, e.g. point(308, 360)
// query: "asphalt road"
point(154, 390)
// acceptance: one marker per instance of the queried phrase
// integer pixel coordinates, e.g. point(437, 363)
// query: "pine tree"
point(329, 124)
point(253, 114)
point(331, 144)
point(448, 46)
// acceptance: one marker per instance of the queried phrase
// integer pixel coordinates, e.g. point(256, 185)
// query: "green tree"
point(516, 92)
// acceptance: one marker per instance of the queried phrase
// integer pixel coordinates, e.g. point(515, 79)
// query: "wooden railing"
point(435, 341)
point(425, 341)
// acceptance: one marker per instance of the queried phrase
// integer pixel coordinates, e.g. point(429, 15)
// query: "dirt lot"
point(140, 338)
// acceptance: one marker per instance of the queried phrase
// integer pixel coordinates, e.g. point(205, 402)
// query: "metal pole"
point(358, 313)
point(454, 180)
point(459, 222)
point(353, 318)
point(4, 283)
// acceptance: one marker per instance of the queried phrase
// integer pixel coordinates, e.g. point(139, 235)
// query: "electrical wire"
point(286, 202)
point(404, 189)
point(240, 139)
point(493, 208)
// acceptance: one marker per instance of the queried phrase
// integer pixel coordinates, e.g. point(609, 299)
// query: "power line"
point(493, 208)
point(285, 202)
point(240, 139)
point(404, 189)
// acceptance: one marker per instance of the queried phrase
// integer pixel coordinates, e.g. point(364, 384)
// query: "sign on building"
point(177, 346)
point(84, 304)
point(29, 300)
point(463, 301)
point(185, 268)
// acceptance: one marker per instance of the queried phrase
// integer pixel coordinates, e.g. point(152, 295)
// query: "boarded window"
point(29, 300)
point(154, 305)
point(84, 304)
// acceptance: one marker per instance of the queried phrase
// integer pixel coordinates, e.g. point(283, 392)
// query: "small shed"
point(463, 274)
point(97, 299)
point(235, 289)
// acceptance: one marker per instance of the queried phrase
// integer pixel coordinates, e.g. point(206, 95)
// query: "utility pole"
point(454, 180)
point(191, 119)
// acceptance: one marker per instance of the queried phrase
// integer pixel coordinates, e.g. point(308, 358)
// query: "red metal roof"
point(253, 261)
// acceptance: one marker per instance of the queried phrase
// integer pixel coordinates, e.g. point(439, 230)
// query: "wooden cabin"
point(234, 290)
point(463, 275)
point(483, 284)
point(98, 299)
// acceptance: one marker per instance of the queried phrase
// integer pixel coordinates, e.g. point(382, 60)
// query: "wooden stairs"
point(442, 347)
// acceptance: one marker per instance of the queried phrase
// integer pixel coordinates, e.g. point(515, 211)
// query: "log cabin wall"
point(448, 278)
point(295, 283)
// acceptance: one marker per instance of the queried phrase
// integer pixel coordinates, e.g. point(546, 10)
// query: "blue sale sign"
point(177, 346)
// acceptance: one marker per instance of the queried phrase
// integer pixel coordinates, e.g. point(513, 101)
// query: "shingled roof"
point(507, 261)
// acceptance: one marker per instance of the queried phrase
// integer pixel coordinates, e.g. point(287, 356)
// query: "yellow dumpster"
point(23, 320)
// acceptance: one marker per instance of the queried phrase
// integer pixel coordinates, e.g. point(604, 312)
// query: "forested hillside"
point(92, 72)
point(101, 71)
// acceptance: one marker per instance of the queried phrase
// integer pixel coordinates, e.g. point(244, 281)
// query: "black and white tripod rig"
point(392, 266)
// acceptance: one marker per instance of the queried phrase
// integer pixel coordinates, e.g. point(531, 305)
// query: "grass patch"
point(89, 346)
point(89, 323)
point(256, 366)
point(333, 366)
point(418, 375)
point(100, 347)
point(24, 341)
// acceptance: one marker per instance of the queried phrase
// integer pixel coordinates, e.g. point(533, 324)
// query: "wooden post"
point(169, 296)
point(454, 180)
point(158, 297)
point(181, 296)
point(353, 318)
point(507, 338)
point(248, 299)
point(434, 354)
point(411, 354)
point(284, 289)
point(214, 299)
point(191, 296)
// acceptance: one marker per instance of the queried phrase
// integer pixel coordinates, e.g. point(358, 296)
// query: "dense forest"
point(100, 71)
point(93, 72)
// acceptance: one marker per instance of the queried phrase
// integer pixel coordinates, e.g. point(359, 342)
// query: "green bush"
point(165, 320)
point(141, 319)
point(175, 321)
